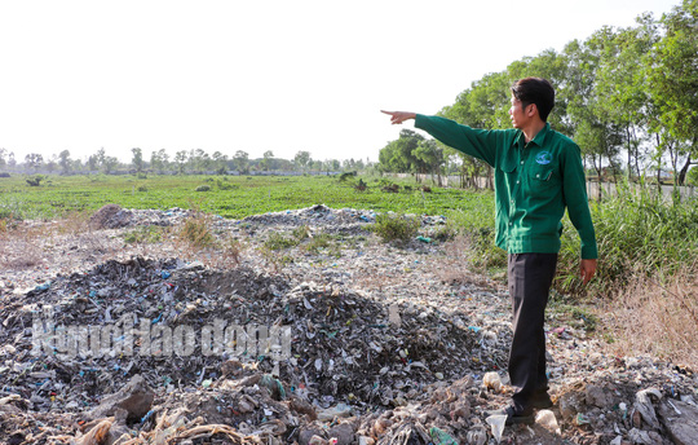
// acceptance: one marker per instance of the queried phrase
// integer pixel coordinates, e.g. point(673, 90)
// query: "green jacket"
point(533, 183)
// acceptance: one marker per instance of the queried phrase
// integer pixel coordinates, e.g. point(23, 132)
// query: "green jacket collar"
point(539, 139)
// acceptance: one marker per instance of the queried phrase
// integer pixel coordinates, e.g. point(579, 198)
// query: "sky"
point(257, 76)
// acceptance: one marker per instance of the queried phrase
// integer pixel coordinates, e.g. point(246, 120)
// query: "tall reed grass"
point(637, 233)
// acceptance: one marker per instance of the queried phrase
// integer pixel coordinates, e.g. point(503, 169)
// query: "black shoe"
point(513, 418)
point(541, 400)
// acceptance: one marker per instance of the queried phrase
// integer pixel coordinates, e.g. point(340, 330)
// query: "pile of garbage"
point(166, 350)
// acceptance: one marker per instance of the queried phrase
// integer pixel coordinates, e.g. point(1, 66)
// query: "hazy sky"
point(284, 75)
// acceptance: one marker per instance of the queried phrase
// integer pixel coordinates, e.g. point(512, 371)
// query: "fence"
point(595, 190)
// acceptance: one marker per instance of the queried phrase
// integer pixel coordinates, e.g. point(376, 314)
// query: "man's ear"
point(531, 110)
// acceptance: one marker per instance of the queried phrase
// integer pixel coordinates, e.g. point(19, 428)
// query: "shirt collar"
point(538, 139)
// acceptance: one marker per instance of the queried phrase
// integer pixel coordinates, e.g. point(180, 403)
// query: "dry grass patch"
point(22, 245)
point(455, 267)
point(654, 317)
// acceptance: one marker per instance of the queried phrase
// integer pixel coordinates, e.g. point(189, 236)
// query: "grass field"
point(232, 196)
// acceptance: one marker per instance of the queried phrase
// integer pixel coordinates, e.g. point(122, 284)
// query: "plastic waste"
point(477, 435)
point(492, 381)
point(547, 420)
point(339, 410)
point(394, 315)
point(441, 437)
point(643, 404)
point(497, 423)
point(275, 387)
point(617, 441)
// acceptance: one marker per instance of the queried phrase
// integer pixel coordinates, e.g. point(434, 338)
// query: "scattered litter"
point(492, 381)
point(371, 345)
point(547, 420)
point(497, 423)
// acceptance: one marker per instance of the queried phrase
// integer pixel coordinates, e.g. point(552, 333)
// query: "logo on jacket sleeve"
point(544, 158)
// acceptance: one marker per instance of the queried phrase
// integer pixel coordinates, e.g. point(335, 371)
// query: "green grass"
point(231, 197)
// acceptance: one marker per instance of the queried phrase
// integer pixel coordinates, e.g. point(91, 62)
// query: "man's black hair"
point(535, 90)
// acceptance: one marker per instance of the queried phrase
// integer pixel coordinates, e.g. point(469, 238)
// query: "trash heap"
point(192, 354)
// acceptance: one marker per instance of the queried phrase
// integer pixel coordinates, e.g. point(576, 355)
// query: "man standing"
point(538, 173)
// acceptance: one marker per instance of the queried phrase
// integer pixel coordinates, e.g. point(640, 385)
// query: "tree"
point(620, 85)
point(65, 162)
point(302, 160)
point(220, 162)
point(109, 164)
point(34, 161)
point(137, 159)
point(241, 161)
point(159, 160)
point(181, 161)
point(598, 137)
point(484, 105)
point(429, 157)
point(673, 82)
point(3, 153)
point(200, 160)
point(397, 156)
point(333, 165)
point(267, 159)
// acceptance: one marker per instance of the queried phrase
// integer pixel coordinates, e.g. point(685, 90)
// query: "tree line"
point(183, 162)
point(627, 96)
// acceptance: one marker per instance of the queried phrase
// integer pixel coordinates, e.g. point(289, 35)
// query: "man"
point(538, 173)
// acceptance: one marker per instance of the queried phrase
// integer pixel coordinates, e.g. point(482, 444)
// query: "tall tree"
point(429, 158)
point(3, 154)
point(673, 82)
point(397, 155)
point(220, 162)
point(586, 117)
point(267, 160)
point(302, 160)
point(159, 160)
point(65, 162)
point(241, 161)
point(137, 159)
point(180, 160)
point(34, 161)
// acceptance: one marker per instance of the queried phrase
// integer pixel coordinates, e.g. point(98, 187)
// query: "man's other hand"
point(587, 270)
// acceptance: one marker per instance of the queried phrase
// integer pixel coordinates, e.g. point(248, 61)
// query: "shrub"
point(301, 233)
point(232, 250)
point(346, 176)
point(399, 228)
point(35, 180)
point(144, 235)
point(196, 232)
point(276, 241)
point(203, 188)
point(321, 242)
point(224, 185)
point(142, 188)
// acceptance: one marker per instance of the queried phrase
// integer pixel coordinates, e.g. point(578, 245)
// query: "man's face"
point(517, 113)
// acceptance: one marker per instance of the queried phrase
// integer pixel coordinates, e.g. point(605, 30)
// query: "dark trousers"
point(530, 277)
